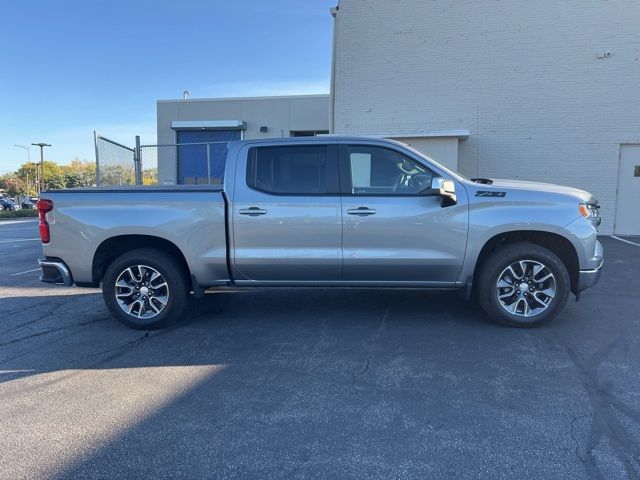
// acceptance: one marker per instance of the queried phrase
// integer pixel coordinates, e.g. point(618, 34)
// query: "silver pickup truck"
point(330, 211)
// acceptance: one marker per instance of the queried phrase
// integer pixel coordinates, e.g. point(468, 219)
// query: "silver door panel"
point(407, 239)
point(295, 239)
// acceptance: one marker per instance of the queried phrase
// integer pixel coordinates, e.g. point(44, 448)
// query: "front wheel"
point(145, 289)
point(523, 285)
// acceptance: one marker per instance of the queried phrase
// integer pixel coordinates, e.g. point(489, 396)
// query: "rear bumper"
point(55, 271)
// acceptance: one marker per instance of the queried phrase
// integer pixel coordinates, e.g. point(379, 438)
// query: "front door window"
point(376, 170)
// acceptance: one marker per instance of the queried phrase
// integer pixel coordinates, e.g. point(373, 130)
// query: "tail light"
point(43, 207)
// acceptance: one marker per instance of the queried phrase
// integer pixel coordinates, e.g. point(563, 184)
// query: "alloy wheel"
point(141, 291)
point(526, 288)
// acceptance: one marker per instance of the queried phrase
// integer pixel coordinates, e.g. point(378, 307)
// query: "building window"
point(307, 133)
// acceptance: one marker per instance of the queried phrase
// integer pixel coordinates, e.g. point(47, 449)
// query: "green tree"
point(55, 180)
point(116, 175)
point(28, 171)
point(76, 174)
point(80, 174)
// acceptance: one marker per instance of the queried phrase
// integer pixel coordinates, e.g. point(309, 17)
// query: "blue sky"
point(69, 67)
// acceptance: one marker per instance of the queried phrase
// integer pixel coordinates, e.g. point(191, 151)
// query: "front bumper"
point(588, 278)
point(55, 271)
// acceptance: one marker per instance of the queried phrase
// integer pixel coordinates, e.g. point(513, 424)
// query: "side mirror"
point(443, 188)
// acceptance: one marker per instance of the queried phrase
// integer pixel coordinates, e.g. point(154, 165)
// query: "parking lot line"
point(626, 241)
point(14, 222)
point(23, 228)
point(20, 240)
point(27, 271)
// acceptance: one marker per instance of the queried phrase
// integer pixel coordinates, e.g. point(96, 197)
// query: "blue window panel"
point(192, 159)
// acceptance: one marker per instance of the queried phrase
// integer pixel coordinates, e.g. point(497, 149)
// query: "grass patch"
point(18, 213)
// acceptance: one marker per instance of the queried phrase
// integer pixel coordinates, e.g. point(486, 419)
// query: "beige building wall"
point(548, 89)
point(279, 114)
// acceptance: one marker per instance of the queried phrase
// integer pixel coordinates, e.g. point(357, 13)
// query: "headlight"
point(588, 210)
point(591, 212)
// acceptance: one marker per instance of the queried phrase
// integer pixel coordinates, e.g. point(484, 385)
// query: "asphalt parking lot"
point(316, 384)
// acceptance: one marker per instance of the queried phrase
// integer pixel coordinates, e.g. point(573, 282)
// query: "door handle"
point(252, 211)
point(361, 211)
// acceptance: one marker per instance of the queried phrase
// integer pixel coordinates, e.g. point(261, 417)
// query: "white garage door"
point(627, 216)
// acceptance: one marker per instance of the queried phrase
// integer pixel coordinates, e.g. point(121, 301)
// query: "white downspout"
point(332, 86)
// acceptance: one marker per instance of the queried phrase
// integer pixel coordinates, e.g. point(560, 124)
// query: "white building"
point(544, 91)
point(548, 90)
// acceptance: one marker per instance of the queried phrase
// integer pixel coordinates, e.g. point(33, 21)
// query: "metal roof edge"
point(227, 99)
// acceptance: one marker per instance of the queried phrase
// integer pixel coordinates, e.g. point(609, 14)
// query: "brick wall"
point(523, 77)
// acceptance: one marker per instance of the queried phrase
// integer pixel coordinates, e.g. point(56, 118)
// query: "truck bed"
point(90, 221)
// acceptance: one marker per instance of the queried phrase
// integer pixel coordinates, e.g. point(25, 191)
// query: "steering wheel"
point(399, 183)
point(411, 183)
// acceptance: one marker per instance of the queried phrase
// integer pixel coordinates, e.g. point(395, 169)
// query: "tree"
point(55, 180)
point(80, 174)
point(150, 176)
point(116, 175)
point(13, 186)
point(28, 171)
point(76, 174)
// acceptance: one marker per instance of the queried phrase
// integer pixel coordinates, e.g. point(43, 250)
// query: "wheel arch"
point(113, 247)
point(556, 243)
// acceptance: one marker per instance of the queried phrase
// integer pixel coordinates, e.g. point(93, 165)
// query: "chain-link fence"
point(183, 164)
point(174, 164)
point(115, 163)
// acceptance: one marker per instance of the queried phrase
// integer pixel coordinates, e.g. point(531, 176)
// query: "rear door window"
point(292, 170)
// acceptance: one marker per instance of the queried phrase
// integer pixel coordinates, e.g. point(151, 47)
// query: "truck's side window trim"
point(332, 182)
point(346, 187)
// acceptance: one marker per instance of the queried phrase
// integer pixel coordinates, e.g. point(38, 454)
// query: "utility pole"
point(28, 149)
point(41, 183)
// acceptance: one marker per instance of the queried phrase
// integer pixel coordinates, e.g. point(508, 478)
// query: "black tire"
point(493, 269)
point(170, 270)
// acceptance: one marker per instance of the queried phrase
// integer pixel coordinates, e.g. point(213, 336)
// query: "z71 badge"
point(485, 193)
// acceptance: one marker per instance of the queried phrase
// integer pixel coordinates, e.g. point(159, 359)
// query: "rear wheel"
point(145, 289)
point(523, 285)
